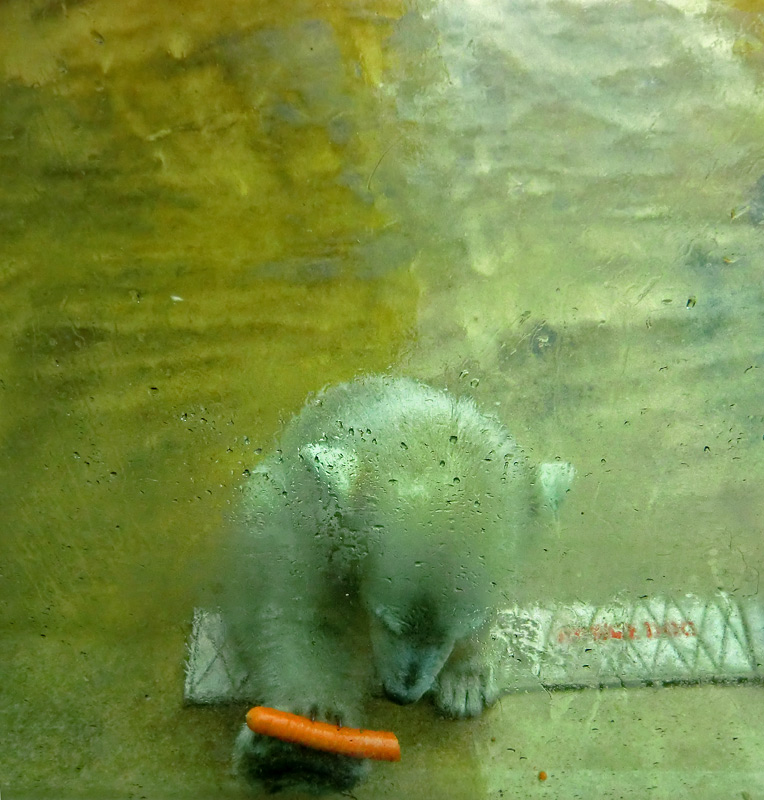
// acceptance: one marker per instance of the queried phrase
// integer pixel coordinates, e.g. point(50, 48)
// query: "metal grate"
point(620, 643)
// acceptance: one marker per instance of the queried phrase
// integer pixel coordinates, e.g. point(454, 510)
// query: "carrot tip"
point(378, 745)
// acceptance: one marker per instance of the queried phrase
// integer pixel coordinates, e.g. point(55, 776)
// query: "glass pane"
point(208, 214)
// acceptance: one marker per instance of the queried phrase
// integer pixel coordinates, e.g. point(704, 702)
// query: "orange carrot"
point(379, 745)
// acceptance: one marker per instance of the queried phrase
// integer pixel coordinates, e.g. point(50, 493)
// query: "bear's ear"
point(554, 481)
point(335, 468)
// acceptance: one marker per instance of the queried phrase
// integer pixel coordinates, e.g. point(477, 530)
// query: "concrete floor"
point(206, 215)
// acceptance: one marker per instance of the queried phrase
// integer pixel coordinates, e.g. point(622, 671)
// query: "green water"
point(207, 213)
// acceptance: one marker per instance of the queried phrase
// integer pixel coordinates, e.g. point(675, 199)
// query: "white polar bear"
point(372, 548)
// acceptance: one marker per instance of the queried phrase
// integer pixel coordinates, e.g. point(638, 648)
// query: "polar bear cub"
point(371, 550)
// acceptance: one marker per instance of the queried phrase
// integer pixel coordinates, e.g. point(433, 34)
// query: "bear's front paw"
point(464, 691)
point(275, 765)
